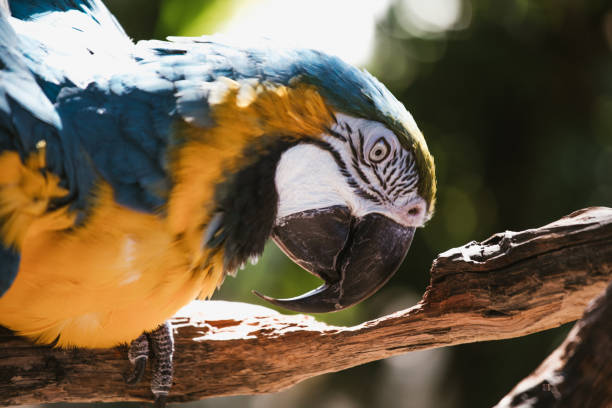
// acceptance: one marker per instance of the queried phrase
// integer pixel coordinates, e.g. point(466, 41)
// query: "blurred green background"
point(515, 100)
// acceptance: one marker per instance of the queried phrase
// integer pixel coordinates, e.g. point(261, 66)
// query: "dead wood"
point(578, 374)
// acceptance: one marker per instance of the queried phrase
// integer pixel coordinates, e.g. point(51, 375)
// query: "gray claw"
point(160, 343)
point(138, 355)
point(138, 373)
point(160, 401)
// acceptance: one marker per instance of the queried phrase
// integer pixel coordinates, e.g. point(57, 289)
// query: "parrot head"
point(348, 207)
point(332, 168)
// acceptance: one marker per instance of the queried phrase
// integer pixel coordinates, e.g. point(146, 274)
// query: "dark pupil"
point(378, 152)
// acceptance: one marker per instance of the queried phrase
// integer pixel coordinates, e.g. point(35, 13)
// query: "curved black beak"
point(354, 256)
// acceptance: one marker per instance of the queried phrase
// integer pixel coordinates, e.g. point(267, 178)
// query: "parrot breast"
point(120, 271)
point(103, 283)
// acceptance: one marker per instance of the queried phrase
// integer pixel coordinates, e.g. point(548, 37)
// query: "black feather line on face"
point(389, 163)
point(370, 194)
point(344, 171)
point(248, 200)
point(347, 127)
point(361, 153)
point(389, 176)
point(394, 181)
point(335, 134)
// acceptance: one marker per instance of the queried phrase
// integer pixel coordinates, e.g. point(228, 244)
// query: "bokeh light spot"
point(345, 28)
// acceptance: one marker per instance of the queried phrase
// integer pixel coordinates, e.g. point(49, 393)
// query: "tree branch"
point(512, 284)
point(578, 374)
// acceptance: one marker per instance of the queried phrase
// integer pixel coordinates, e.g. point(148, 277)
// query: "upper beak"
point(354, 256)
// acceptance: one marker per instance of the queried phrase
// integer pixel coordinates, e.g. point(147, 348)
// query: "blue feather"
point(9, 264)
point(26, 116)
point(106, 107)
point(118, 103)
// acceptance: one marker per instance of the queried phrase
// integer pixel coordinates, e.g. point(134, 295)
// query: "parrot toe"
point(160, 343)
point(160, 401)
point(138, 373)
point(138, 355)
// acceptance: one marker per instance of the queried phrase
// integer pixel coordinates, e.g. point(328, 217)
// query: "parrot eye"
point(379, 151)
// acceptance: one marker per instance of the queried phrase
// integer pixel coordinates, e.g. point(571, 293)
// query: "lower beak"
point(354, 256)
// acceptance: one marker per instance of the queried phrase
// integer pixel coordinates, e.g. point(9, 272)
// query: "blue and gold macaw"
point(135, 177)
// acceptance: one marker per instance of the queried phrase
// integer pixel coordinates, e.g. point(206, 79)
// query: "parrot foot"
point(160, 343)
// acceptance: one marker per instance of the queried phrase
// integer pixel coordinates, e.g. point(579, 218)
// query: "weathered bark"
point(510, 285)
point(578, 374)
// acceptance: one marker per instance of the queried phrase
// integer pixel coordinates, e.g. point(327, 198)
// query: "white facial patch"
point(342, 172)
point(307, 178)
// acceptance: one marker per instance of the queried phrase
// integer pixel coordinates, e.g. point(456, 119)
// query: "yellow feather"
point(100, 284)
point(25, 193)
point(124, 272)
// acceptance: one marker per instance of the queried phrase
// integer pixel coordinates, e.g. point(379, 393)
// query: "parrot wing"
point(115, 116)
point(26, 117)
point(73, 96)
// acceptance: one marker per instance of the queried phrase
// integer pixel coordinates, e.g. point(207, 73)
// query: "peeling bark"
point(578, 374)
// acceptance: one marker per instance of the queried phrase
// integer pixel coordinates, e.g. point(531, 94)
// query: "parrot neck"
point(224, 201)
point(228, 221)
point(248, 201)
